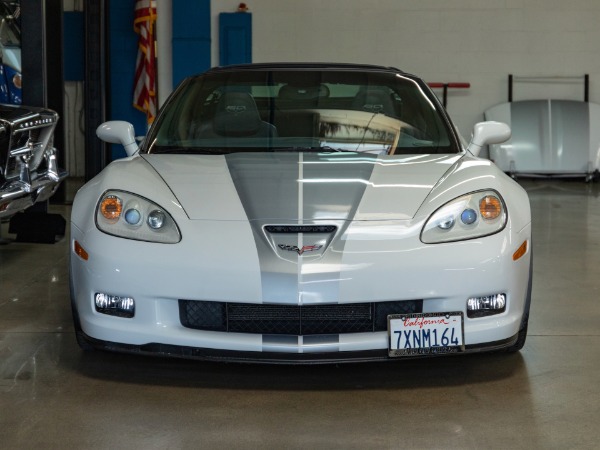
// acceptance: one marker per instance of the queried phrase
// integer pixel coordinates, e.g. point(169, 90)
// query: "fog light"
point(114, 305)
point(486, 306)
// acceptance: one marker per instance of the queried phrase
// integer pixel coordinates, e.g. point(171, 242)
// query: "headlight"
point(471, 216)
point(133, 217)
point(17, 81)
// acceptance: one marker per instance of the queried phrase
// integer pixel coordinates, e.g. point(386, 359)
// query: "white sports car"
point(301, 213)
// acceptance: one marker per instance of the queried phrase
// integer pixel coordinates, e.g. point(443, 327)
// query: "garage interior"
point(53, 395)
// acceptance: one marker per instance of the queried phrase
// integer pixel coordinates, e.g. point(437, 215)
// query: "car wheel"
point(593, 177)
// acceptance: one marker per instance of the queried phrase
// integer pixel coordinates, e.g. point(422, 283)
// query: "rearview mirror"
point(118, 132)
point(485, 133)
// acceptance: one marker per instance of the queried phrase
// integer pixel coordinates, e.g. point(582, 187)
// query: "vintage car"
point(301, 213)
point(29, 171)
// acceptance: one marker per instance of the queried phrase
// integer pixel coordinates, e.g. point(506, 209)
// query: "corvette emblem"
point(235, 109)
point(295, 248)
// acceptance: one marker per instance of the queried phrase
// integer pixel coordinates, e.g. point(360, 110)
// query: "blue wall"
point(191, 38)
point(235, 38)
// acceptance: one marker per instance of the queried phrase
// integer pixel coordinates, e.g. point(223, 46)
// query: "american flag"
point(144, 91)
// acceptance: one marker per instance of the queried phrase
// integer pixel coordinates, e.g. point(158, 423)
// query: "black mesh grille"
point(300, 228)
point(291, 319)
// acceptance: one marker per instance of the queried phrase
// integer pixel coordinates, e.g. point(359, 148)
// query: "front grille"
point(13, 165)
point(292, 319)
point(300, 228)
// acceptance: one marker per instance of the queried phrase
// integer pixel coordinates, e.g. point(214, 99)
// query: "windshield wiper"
point(328, 149)
point(188, 151)
point(324, 149)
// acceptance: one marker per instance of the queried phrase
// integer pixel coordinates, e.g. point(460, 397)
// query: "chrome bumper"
point(15, 196)
point(29, 170)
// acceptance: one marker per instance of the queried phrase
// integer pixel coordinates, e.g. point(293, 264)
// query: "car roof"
point(307, 66)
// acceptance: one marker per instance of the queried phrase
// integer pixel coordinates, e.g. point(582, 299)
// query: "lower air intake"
point(292, 319)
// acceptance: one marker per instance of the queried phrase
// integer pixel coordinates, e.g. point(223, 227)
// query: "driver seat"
point(236, 115)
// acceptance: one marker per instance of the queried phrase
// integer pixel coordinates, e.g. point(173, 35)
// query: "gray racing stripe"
point(293, 188)
point(334, 184)
point(301, 344)
point(267, 184)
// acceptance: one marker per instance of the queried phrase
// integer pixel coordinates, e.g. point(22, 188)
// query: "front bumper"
point(444, 276)
point(29, 171)
point(209, 354)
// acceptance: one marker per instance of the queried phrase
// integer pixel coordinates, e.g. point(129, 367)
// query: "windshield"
point(301, 110)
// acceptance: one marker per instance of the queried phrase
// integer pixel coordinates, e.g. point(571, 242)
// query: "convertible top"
point(307, 66)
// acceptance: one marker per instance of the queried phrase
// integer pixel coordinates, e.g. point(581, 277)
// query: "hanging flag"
point(144, 91)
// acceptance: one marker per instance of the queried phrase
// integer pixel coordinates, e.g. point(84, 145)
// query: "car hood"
point(301, 187)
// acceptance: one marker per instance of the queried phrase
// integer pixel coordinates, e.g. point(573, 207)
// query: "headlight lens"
point(130, 216)
point(471, 216)
point(17, 81)
point(111, 207)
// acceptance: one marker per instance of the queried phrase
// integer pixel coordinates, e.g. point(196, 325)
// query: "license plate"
point(425, 334)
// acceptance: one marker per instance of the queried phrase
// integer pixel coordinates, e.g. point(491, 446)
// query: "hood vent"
point(300, 228)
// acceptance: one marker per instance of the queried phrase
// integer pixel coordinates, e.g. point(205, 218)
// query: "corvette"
point(301, 213)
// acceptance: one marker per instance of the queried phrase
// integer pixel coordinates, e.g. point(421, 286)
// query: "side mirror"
point(118, 132)
point(485, 133)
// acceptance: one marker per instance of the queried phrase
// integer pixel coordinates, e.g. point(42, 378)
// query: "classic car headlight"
point(471, 216)
point(17, 81)
point(130, 216)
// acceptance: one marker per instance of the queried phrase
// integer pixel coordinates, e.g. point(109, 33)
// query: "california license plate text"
point(416, 334)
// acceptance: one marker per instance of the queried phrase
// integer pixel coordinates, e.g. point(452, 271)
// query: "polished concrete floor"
point(547, 396)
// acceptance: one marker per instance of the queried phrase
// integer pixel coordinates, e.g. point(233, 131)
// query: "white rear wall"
point(475, 41)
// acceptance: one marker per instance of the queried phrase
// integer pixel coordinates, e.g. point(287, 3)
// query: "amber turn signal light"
point(111, 207)
point(79, 251)
point(490, 207)
point(520, 251)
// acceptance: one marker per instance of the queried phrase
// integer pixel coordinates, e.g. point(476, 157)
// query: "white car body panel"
point(549, 137)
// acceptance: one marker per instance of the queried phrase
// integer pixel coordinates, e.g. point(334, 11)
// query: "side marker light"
point(520, 251)
point(79, 251)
